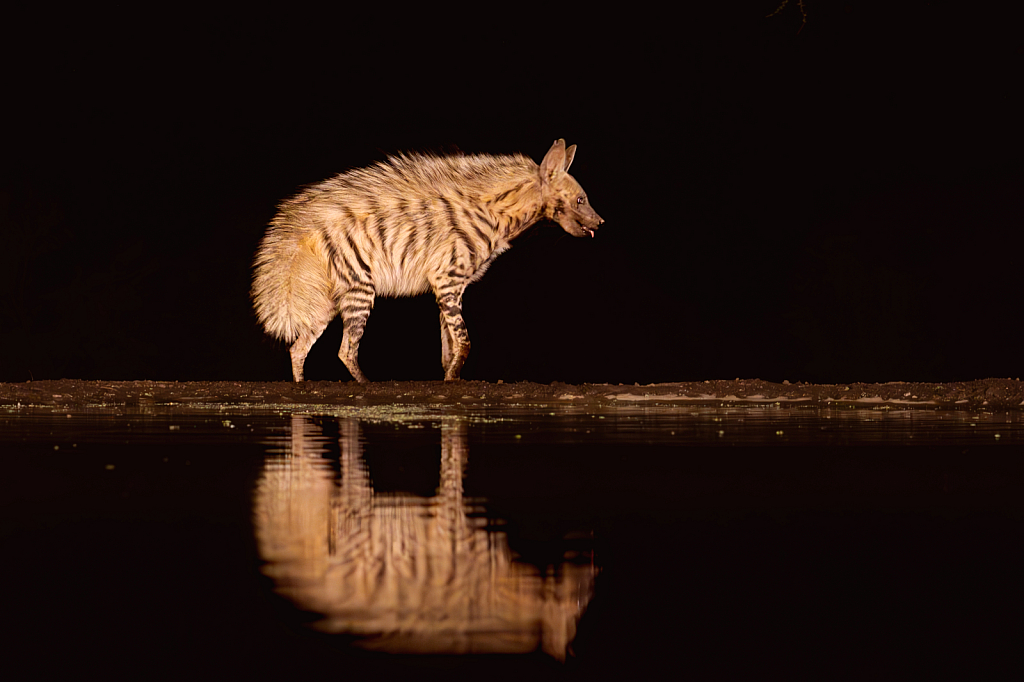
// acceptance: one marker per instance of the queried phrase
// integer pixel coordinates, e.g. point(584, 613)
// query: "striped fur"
point(404, 227)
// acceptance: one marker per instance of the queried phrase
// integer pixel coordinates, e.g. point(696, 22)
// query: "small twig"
point(803, 12)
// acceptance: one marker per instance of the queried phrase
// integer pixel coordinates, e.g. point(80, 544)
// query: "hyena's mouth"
point(589, 230)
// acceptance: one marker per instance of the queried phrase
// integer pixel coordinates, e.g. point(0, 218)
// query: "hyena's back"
point(411, 225)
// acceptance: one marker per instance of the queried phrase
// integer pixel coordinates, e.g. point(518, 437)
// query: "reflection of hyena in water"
point(409, 574)
point(404, 227)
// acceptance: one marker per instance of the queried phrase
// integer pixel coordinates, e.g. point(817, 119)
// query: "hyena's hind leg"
point(446, 345)
point(300, 347)
point(454, 336)
point(355, 306)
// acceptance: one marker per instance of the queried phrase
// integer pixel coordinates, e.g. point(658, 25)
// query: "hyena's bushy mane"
point(416, 172)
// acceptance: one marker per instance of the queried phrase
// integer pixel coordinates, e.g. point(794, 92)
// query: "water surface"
point(512, 541)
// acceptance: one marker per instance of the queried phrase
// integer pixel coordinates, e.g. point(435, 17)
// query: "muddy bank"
point(986, 393)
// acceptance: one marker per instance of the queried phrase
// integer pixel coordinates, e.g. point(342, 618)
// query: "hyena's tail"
point(293, 290)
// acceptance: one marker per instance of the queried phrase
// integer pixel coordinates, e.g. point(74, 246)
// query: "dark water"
point(713, 542)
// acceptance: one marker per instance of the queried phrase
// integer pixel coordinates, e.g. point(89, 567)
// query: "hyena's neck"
point(517, 207)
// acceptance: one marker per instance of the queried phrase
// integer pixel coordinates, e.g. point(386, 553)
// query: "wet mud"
point(986, 393)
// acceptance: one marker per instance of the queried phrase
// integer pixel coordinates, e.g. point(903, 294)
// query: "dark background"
point(834, 203)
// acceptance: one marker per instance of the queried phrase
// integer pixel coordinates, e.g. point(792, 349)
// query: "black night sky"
point(835, 203)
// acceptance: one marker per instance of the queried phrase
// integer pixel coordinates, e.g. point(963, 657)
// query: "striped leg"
point(446, 345)
point(356, 304)
point(453, 354)
point(300, 348)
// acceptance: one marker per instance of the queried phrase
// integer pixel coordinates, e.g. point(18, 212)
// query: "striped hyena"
point(403, 227)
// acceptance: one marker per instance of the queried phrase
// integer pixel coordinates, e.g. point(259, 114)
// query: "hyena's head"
point(565, 202)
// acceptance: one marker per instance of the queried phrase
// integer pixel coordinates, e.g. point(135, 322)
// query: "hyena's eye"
point(581, 200)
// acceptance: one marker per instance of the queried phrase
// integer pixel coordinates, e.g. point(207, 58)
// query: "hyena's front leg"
point(355, 306)
point(454, 337)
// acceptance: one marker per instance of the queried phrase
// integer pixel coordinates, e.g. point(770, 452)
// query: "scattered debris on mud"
point(987, 393)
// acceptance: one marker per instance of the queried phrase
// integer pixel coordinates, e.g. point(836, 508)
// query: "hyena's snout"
point(579, 221)
point(590, 221)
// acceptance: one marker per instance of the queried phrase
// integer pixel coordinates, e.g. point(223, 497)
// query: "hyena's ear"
point(570, 153)
point(554, 163)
